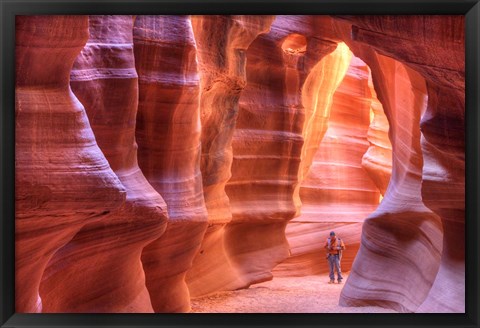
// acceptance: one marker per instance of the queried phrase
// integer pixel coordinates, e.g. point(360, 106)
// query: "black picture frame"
point(10, 8)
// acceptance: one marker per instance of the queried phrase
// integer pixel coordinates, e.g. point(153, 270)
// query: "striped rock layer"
point(160, 158)
point(105, 255)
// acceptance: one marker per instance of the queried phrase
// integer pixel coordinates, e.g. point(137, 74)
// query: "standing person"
point(334, 247)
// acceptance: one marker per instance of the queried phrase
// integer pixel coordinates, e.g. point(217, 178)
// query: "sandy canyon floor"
point(311, 294)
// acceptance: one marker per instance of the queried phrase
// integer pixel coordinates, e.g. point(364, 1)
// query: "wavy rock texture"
point(443, 191)
point(62, 179)
point(168, 136)
point(403, 231)
point(221, 42)
point(377, 161)
point(230, 114)
point(337, 194)
point(317, 98)
point(104, 257)
point(267, 145)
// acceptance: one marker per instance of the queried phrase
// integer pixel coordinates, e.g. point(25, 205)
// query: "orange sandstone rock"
point(112, 278)
point(403, 228)
point(222, 42)
point(377, 161)
point(62, 178)
point(336, 193)
point(232, 134)
point(267, 145)
point(168, 135)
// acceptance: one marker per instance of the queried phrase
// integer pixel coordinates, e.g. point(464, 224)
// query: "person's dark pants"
point(334, 263)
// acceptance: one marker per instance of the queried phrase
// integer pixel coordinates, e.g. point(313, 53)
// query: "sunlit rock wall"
point(104, 257)
point(168, 136)
point(426, 42)
point(337, 193)
point(267, 145)
point(377, 161)
point(222, 42)
point(62, 178)
point(238, 126)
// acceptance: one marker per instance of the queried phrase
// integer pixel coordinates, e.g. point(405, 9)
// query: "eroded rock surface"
point(104, 257)
point(62, 178)
point(222, 42)
point(431, 39)
point(267, 145)
point(243, 124)
point(168, 135)
point(337, 193)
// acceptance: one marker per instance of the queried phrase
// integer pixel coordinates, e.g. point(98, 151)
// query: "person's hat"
point(332, 233)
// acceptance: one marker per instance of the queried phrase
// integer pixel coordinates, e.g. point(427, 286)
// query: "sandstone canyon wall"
point(63, 179)
point(104, 257)
point(168, 135)
point(377, 161)
point(222, 42)
point(198, 153)
point(337, 193)
point(440, 37)
point(267, 145)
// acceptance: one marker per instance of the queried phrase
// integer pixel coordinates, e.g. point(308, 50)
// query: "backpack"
point(340, 251)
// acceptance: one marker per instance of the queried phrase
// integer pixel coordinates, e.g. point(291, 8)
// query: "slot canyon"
point(162, 159)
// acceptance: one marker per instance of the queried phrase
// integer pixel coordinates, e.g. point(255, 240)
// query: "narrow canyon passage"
point(169, 164)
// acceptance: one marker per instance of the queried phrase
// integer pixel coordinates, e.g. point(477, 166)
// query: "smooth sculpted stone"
point(104, 256)
point(267, 145)
point(434, 46)
point(168, 135)
point(377, 161)
point(242, 124)
point(337, 193)
point(402, 238)
point(443, 191)
point(222, 42)
point(62, 179)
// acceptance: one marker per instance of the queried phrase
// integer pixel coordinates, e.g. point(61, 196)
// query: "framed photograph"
point(209, 163)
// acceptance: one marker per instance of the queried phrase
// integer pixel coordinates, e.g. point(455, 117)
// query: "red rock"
point(232, 134)
point(63, 180)
point(221, 43)
point(112, 278)
point(411, 186)
point(168, 136)
point(267, 145)
point(336, 192)
point(443, 191)
point(377, 161)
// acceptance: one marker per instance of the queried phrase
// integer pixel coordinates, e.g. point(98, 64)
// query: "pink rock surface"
point(267, 145)
point(443, 191)
point(337, 193)
point(168, 136)
point(62, 179)
point(412, 187)
point(104, 257)
point(230, 114)
point(221, 43)
point(377, 161)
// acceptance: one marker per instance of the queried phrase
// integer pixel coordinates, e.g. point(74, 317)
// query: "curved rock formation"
point(317, 98)
point(377, 161)
point(267, 145)
point(62, 179)
point(443, 191)
point(237, 146)
point(104, 257)
point(168, 136)
point(221, 42)
point(336, 193)
point(403, 237)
